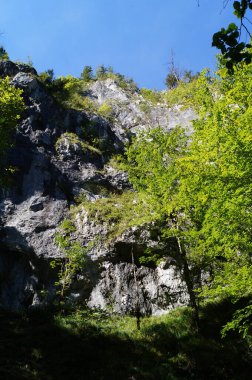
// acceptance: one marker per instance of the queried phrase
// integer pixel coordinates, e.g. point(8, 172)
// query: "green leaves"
point(3, 54)
point(202, 185)
point(240, 8)
point(74, 253)
point(11, 106)
point(228, 40)
point(241, 321)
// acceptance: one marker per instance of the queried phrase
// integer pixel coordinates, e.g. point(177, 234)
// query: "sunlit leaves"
point(11, 106)
point(204, 181)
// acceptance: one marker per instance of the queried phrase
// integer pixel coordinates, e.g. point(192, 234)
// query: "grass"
point(92, 345)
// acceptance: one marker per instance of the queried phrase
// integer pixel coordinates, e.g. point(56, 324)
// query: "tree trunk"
point(189, 283)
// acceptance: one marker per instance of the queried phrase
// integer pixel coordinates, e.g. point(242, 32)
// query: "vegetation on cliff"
point(195, 187)
point(11, 106)
point(198, 186)
point(201, 185)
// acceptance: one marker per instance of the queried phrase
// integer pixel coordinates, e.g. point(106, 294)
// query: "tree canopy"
point(200, 184)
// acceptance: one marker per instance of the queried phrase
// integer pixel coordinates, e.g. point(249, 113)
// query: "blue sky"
point(135, 37)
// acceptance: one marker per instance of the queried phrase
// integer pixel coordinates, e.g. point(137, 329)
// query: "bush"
point(154, 97)
point(3, 54)
point(106, 111)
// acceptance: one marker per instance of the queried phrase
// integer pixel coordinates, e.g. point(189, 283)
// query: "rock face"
point(132, 112)
point(55, 163)
point(154, 292)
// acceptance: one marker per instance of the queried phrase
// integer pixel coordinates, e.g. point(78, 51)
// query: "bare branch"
point(245, 18)
point(225, 3)
point(244, 26)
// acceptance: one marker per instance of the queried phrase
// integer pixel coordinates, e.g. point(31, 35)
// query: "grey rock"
point(128, 114)
point(46, 182)
point(9, 68)
point(156, 290)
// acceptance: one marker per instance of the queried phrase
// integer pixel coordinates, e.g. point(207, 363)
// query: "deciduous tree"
point(201, 185)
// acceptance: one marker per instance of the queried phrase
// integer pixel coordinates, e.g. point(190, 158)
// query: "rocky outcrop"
point(132, 112)
point(52, 169)
point(155, 292)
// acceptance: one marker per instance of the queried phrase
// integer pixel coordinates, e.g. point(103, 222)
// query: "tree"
point(47, 77)
point(101, 72)
point(87, 74)
point(218, 183)
point(3, 54)
point(201, 186)
point(229, 40)
point(153, 170)
point(11, 106)
point(66, 90)
point(174, 74)
point(171, 80)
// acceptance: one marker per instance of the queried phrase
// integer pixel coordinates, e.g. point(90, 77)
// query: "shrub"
point(3, 54)
point(88, 105)
point(106, 111)
point(154, 97)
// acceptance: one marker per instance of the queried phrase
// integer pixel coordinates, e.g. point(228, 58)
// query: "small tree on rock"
point(87, 74)
point(3, 54)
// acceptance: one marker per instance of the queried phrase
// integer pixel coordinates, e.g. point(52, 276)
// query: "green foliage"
point(153, 169)
point(3, 54)
point(185, 93)
point(145, 108)
point(76, 142)
point(106, 111)
point(175, 76)
point(202, 184)
point(71, 92)
point(219, 183)
point(90, 133)
point(11, 106)
point(153, 256)
point(241, 322)
point(154, 97)
point(74, 255)
point(117, 162)
point(127, 84)
point(87, 105)
point(152, 164)
point(171, 80)
point(47, 77)
point(229, 40)
point(117, 213)
point(100, 72)
point(66, 90)
point(188, 76)
point(98, 346)
point(87, 74)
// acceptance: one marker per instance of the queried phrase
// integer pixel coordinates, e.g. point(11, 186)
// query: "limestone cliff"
point(55, 162)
